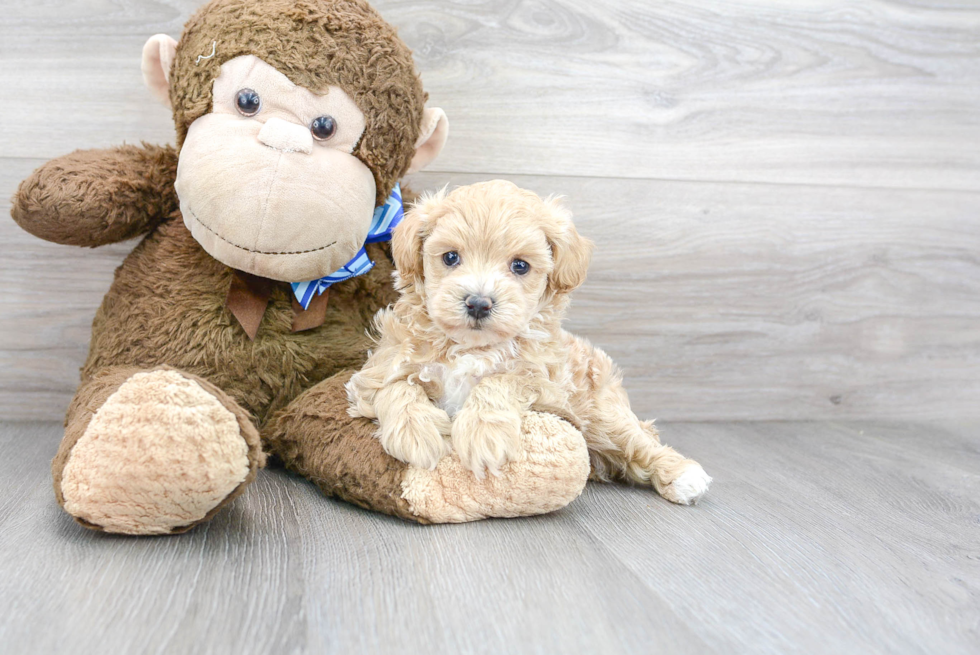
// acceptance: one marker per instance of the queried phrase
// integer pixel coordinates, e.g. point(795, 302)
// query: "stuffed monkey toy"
point(229, 331)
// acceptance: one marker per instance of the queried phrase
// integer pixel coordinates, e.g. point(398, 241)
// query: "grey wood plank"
point(820, 538)
point(65, 590)
point(880, 94)
point(721, 301)
point(286, 570)
point(815, 538)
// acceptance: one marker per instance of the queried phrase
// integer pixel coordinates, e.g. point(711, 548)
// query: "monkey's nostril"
point(478, 306)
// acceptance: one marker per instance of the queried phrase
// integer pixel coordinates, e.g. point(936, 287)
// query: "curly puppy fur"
point(441, 375)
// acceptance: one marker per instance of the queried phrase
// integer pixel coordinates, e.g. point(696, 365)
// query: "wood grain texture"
point(737, 301)
point(720, 301)
point(815, 538)
point(785, 196)
point(822, 91)
point(785, 199)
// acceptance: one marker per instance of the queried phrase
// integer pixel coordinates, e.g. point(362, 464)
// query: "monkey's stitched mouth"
point(251, 250)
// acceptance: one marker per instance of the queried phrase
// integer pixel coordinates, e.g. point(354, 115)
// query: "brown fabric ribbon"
point(313, 315)
point(248, 297)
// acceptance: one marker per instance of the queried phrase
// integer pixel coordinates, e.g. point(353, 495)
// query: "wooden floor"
point(785, 199)
point(827, 537)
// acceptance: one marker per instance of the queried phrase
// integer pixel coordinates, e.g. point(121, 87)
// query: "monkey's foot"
point(163, 452)
point(550, 472)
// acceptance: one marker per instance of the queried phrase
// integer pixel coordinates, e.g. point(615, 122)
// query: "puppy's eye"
point(323, 128)
point(451, 258)
point(519, 267)
point(248, 102)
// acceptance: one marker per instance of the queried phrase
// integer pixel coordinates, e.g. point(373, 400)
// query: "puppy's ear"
point(408, 236)
point(570, 251)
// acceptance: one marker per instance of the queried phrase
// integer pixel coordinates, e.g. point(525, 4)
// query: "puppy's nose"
point(478, 306)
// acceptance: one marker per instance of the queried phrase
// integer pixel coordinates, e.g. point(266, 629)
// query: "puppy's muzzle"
point(478, 307)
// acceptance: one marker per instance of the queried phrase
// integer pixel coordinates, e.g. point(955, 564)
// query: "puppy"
point(475, 340)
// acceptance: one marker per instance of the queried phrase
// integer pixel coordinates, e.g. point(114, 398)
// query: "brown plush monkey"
point(294, 121)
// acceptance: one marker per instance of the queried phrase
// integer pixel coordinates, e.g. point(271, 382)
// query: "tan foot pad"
point(159, 454)
point(549, 474)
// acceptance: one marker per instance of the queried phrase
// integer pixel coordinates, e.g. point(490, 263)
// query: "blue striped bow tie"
point(386, 217)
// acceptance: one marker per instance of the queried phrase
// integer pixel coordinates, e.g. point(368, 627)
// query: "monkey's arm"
point(95, 197)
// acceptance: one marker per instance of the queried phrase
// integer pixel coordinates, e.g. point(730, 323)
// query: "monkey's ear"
point(158, 57)
point(435, 131)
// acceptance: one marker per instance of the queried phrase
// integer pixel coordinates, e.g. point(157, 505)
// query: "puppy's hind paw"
point(688, 487)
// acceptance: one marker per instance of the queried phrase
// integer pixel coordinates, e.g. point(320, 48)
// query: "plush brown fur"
point(166, 307)
point(319, 440)
point(95, 197)
point(346, 43)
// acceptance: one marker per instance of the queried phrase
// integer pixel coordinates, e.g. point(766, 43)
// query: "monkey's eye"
point(519, 267)
point(451, 258)
point(248, 102)
point(323, 128)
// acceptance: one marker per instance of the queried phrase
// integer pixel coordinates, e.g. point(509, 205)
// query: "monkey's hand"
point(95, 197)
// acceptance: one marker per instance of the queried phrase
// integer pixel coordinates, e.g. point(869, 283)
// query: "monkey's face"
point(293, 123)
point(267, 181)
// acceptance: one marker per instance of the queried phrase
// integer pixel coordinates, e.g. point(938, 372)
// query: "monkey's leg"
point(316, 437)
point(152, 452)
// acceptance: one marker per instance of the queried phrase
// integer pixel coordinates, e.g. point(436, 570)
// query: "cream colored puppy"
point(475, 340)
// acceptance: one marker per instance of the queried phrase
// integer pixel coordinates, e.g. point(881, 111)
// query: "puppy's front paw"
point(417, 436)
point(689, 486)
point(488, 441)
